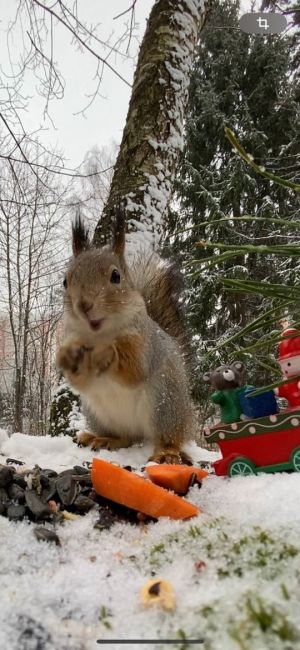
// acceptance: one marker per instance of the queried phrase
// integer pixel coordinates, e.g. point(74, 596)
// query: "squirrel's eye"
point(65, 283)
point(115, 277)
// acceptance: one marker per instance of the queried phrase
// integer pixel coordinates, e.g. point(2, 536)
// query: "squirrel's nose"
point(85, 306)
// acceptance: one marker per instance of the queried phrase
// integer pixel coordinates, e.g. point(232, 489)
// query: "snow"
point(175, 73)
point(195, 6)
point(247, 536)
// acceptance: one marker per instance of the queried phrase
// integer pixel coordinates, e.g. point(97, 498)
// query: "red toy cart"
point(268, 444)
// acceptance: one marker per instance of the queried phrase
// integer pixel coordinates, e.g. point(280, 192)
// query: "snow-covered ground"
point(243, 595)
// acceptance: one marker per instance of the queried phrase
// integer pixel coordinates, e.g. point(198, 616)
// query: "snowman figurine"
point(289, 361)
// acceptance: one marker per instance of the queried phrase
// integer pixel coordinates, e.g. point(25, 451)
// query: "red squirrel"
point(125, 347)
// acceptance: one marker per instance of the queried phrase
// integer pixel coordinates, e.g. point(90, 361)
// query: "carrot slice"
point(174, 477)
point(122, 486)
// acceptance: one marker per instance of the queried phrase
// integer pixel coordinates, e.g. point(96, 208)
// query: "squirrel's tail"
point(161, 284)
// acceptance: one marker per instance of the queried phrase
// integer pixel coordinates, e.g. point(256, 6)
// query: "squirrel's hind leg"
point(168, 449)
point(87, 439)
point(170, 456)
point(173, 428)
point(172, 431)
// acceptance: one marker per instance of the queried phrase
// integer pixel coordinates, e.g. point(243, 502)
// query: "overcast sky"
point(105, 119)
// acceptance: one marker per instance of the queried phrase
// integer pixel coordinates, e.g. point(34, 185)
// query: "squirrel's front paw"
point(70, 357)
point(81, 364)
point(102, 358)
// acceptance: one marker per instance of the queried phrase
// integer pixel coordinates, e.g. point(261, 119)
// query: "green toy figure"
point(228, 382)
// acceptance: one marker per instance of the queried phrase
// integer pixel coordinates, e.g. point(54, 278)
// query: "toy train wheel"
point(241, 467)
point(295, 459)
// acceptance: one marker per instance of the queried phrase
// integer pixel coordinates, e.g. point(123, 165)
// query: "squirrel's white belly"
point(121, 410)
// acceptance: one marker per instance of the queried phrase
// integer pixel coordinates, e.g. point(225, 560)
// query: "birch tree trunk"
point(153, 134)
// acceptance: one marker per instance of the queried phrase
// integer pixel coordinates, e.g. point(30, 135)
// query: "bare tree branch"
point(80, 40)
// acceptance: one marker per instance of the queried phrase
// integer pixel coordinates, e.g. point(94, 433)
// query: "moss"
point(224, 537)
point(208, 620)
point(157, 555)
point(271, 622)
point(104, 615)
point(285, 592)
point(259, 614)
point(223, 573)
point(157, 549)
point(209, 549)
point(236, 635)
point(194, 531)
point(288, 551)
point(237, 546)
point(262, 551)
point(270, 618)
point(264, 537)
point(182, 635)
point(173, 537)
point(207, 611)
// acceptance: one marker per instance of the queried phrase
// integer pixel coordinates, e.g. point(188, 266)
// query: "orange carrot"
point(174, 477)
point(122, 486)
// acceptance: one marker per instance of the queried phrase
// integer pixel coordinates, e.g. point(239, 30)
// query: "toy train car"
point(265, 444)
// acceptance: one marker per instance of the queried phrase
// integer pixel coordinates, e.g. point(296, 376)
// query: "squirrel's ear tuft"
point(80, 236)
point(119, 230)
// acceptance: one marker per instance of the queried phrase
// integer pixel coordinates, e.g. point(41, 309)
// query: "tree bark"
point(153, 135)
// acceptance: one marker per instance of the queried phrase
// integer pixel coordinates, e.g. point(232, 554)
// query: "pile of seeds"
point(43, 495)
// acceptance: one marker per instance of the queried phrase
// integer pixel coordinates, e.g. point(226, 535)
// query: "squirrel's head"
point(99, 294)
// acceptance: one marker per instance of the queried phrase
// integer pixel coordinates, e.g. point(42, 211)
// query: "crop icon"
point(263, 23)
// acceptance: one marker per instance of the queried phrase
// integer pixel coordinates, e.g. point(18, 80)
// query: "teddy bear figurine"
point(234, 396)
point(228, 382)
